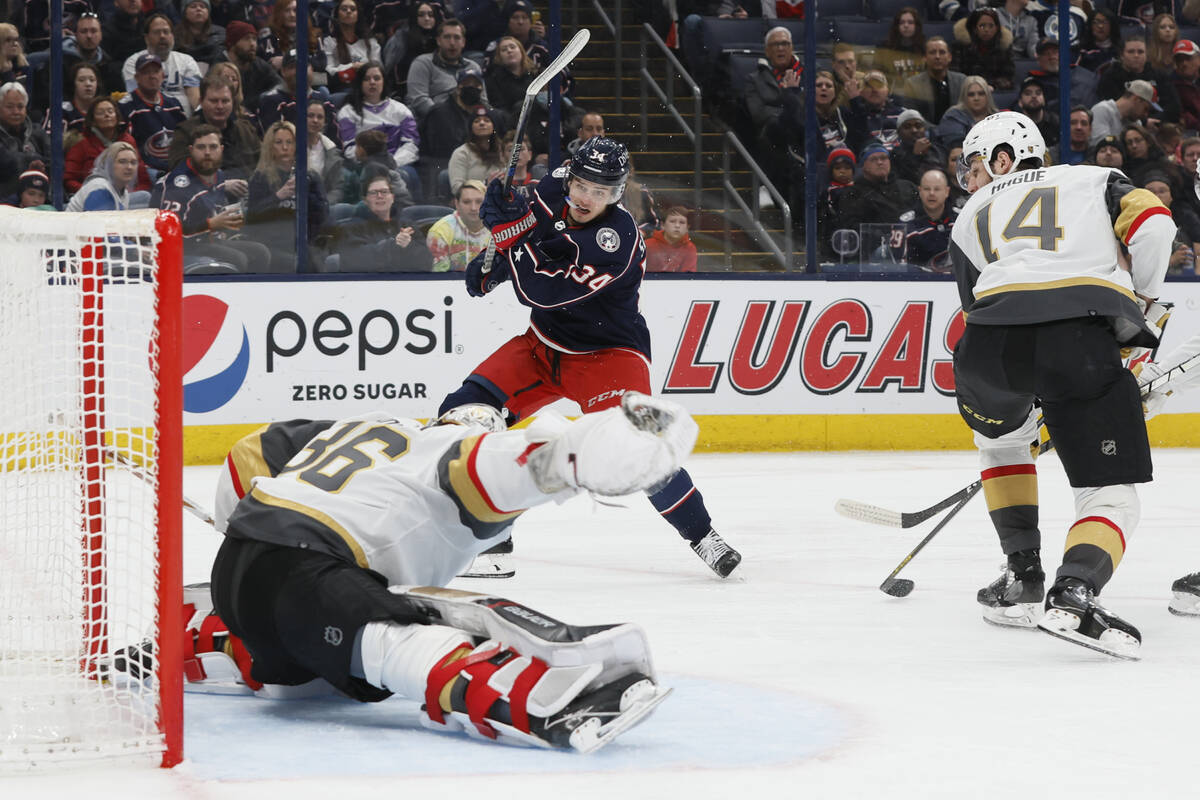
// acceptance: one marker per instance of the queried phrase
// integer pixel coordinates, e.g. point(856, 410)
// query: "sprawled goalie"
point(318, 572)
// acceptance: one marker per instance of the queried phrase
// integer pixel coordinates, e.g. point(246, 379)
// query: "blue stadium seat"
point(886, 9)
point(1190, 32)
point(732, 34)
point(863, 34)
point(1022, 66)
point(840, 8)
point(1004, 99)
point(825, 30)
point(741, 66)
point(939, 28)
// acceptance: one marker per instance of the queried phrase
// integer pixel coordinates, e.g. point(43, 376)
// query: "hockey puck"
point(901, 587)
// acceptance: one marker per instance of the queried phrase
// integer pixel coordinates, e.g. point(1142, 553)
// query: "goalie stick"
point(535, 86)
point(138, 471)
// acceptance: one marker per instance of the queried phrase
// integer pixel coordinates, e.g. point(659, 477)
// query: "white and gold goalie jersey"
point(415, 505)
point(1047, 244)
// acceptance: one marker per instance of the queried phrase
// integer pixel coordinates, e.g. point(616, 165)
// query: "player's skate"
point(1072, 613)
point(1185, 600)
point(714, 551)
point(1015, 598)
point(495, 562)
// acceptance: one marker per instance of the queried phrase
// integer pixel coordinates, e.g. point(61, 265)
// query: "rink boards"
point(765, 364)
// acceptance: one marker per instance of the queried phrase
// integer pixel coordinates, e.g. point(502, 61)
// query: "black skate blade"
point(1091, 644)
point(899, 587)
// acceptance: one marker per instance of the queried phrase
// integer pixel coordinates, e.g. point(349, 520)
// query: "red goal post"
point(91, 473)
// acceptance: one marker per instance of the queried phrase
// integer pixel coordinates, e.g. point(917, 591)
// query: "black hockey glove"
point(507, 214)
point(479, 284)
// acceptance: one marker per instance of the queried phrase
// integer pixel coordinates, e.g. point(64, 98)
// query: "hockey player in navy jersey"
point(576, 258)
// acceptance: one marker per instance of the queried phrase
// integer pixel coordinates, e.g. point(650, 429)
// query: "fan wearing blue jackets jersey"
point(575, 256)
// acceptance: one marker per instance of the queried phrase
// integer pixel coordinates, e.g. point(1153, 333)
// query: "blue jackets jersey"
point(193, 200)
point(581, 282)
point(928, 238)
point(152, 125)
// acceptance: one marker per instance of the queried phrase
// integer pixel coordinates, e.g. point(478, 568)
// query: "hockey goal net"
point(90, 487)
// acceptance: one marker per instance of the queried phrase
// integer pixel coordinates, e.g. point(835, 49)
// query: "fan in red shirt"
point(670, 249)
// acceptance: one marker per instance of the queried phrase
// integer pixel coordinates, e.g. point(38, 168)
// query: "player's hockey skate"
point(495, 562)
point(714, 551)
point(1014, 599)
point(597, 718)
point(1185, 599)
point(1072, 613)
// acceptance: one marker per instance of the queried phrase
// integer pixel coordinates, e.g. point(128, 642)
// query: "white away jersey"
point(1046, 244)
point(416, 505)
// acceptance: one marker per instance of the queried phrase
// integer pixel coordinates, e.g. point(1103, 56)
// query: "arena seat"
point(939, 28)
point(867, 33)
point(841, 8)
point(887, 9)
point(733, 34)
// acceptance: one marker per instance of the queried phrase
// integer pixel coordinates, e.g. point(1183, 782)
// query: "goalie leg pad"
point(400, 658)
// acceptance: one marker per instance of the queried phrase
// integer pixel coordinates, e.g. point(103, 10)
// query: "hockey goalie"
point(330, 569)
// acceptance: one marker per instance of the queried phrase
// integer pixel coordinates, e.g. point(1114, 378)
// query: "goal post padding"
point(90, 486)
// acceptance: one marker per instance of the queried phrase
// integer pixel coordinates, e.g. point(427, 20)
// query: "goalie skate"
point(495, 562)
point(1073, 614)
point(1013, 601)
point(597, 719)
point(1185, 600)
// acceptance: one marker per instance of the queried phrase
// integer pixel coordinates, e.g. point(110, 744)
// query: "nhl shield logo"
point(608, 240)
point(333, 635)
point(1108, 447)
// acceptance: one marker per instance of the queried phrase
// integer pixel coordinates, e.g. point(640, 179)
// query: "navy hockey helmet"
point(601, 160)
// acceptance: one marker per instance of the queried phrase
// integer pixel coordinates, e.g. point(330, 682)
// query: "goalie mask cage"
point(90, 487)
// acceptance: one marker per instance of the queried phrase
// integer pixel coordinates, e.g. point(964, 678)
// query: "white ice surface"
point(800, 679)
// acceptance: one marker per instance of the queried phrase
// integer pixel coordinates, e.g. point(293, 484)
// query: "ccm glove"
point(479, 283)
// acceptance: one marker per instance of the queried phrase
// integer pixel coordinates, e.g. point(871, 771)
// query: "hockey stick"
point(194, 508)
point(865, 512)
point(535, 86)
point(902, 587)
point(1175, 377)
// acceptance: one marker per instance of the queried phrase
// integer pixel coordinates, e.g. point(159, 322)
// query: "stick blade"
point(899, 587)
point(865, 512)
point(565, 56)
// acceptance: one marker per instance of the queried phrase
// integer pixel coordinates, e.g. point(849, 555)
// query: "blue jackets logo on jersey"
point(216, 354)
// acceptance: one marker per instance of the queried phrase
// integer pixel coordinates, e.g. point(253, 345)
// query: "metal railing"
point(757, 179)
point(614, 27)
point(695, 131)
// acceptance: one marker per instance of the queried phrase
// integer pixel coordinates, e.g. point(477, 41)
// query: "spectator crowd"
point(899, 84)
point(191, 106)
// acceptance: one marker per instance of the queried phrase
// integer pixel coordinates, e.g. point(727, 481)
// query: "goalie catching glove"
point(613, 452)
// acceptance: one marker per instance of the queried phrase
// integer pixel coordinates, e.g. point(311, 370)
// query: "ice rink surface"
point(798, 679)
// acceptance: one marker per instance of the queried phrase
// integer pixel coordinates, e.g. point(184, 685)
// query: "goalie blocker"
point(301, 581)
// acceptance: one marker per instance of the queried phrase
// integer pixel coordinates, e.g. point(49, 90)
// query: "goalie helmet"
point(600, 160)
point(1006, 127)
point(478, 414)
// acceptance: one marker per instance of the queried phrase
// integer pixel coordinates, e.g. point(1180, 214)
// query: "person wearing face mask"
point(434, 76)
point(449, 122)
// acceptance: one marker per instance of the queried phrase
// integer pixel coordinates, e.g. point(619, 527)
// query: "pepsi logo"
point(216, 354)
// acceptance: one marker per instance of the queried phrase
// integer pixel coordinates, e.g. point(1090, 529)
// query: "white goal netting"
point(80, 513)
